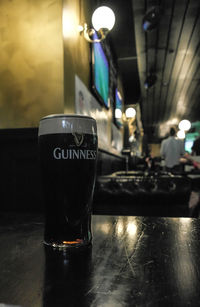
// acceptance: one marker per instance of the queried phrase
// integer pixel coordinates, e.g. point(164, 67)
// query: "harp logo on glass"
point(78, 138)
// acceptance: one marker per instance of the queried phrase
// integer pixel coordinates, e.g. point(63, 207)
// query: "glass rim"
point(51, 116)
point(67, 123)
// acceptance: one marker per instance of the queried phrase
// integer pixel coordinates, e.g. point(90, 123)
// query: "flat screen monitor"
point(118, 109)
point(189, 140)
point(100, 73)
point(188, 145)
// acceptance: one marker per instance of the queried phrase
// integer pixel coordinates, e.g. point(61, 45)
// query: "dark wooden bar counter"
point(134, 261)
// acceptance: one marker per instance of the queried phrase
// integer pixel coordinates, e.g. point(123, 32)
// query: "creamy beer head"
point(64, 123)
point(68, 157)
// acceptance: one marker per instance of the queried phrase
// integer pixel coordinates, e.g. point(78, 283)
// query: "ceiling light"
point(150, 81)
point(130, 112)
point(181, 134)
point(151, 19)
point(118, 113)
point(184, 125)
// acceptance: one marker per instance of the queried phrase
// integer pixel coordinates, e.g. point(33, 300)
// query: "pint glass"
point(68, 156)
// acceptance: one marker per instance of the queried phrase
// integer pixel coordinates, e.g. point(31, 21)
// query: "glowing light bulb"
point(181, 134)
point(118, 113)
point(184, 125)
point(103, 17)
point(130, 112)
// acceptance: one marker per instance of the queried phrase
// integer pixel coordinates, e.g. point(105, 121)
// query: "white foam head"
point(67, 123)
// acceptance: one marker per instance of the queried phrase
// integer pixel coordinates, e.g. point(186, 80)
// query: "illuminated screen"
point(188, 145)
point(100, 73)
point(118, 108)
point(189, 140)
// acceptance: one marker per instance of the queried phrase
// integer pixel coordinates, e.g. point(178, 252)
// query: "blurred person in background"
point(172, 149)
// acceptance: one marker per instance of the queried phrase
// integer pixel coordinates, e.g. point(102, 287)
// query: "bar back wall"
point(31, 61)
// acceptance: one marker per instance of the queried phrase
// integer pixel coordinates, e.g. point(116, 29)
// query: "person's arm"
point(196, 164)
point(190, 158)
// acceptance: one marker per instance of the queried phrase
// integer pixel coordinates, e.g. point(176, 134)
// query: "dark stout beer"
point(68, 154)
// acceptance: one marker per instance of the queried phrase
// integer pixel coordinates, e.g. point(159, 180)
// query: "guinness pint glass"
point(68, 156)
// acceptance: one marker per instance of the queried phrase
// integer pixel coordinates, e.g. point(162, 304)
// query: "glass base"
point(78, 244)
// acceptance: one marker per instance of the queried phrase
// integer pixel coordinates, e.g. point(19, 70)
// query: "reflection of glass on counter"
point(63, 273)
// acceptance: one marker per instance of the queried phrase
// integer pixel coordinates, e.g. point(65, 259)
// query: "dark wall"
point(20, 182)
point(109, 163)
